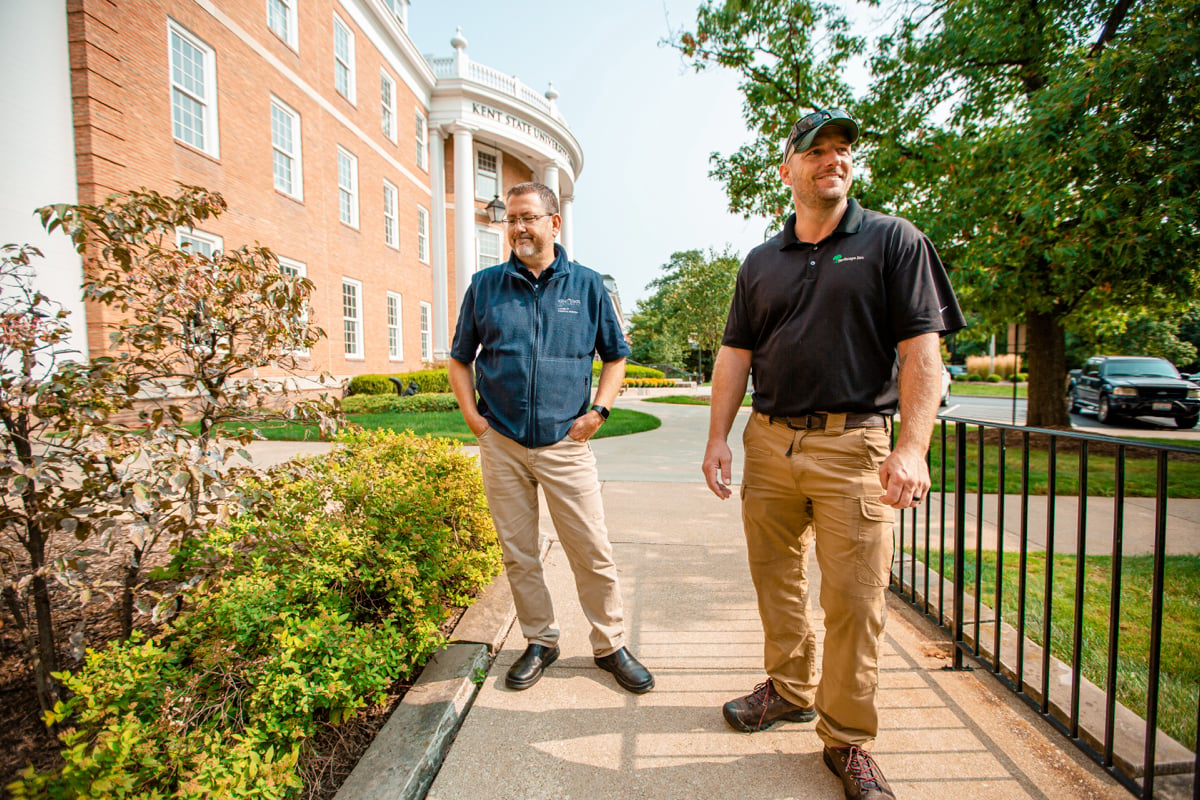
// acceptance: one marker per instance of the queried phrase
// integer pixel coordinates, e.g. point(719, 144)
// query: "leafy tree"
point(1049, 149)
point(49, 410)
point(653, 341)
point(690, 302)
point(1144, 333)
point(184, 330)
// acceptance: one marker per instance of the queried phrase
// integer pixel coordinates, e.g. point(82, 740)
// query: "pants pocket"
point(875, 547)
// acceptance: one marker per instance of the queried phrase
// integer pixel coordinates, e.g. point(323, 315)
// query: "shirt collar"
point(560, 264)
point(849, 224)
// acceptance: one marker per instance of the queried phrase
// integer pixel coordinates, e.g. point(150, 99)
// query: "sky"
point(645, 122)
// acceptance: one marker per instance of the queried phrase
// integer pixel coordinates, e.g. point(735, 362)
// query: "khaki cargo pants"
point(801, 484)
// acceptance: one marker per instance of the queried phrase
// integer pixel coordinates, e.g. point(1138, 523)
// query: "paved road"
point(1004, 410)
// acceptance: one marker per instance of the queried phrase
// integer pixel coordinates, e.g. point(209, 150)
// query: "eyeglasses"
point(807, 123)
point(526, 220)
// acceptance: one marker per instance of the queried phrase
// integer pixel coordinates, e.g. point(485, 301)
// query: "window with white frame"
point(295, 269)
point(487, 175)
point(281, 18)
point(347, 170)
point(343, 59)
point(399, 9)
point(422, 140)
point(193, 90)
point(285, 149)
point(487, 246)
point(426, 332)
point(395, 333)
point(387, 105)
point(391, 223)
point(422, 235)
point(205, 244)
point(352, 317)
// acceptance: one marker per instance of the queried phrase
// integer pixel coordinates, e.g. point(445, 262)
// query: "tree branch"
point(1115, 18)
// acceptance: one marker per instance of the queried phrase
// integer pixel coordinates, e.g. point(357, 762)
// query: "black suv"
point(1134, 386)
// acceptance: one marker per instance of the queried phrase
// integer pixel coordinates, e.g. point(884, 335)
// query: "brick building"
point(363, 164)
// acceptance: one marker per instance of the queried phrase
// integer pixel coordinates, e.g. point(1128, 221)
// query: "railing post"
point(960, 536)
point(1156, 621)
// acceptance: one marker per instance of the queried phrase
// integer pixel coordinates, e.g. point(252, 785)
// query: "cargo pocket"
point(875, 546)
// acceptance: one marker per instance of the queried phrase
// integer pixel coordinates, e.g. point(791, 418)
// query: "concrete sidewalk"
point(692, 619)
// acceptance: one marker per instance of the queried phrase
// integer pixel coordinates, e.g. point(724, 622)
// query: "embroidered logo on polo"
point(840, 257)
point(567, 305)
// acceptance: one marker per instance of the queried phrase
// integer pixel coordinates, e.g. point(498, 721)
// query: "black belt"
point(816, 421)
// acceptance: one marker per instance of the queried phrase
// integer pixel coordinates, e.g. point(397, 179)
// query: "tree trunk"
point(1047, 353)
point(127, 594)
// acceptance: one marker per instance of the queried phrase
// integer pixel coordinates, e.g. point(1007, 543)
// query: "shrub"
point(993, 378)
point(1004, 365)
point(631, 371)
point(435, 381)
point(387, 404)
point(321, 594)
point(652, 383)
point(974, 376)
point(369, 384)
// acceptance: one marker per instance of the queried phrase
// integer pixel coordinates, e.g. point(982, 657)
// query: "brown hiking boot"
point(861, 777)
point(762, 708)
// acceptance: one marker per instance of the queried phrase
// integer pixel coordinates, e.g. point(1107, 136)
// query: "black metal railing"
point(1125, 739)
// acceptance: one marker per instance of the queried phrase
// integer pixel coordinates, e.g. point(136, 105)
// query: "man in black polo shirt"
point(837, 317)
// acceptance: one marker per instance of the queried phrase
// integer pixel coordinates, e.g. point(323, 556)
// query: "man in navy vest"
point(532, 327)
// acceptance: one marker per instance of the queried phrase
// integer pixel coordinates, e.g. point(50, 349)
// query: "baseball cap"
point(806, 128)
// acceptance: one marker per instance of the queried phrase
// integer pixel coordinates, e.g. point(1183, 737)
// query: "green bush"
point(974, 376)
point(387, 404)
point(369, 384)
point(434, 381)
point(318, 598)
point(631, 371)
point(993, 378)
point(653, 383)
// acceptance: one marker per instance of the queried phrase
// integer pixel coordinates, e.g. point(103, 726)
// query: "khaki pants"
point(801, 484)
point(567, 474)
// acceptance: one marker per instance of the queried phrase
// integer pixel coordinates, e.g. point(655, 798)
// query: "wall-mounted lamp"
point(496, 210)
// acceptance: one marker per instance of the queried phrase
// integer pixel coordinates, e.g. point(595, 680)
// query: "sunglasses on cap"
point(811, 122)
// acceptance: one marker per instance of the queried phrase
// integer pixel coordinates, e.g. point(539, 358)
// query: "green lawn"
point(448, 424)
point(985, 389)
point(1179, 672)
point(1183, 477)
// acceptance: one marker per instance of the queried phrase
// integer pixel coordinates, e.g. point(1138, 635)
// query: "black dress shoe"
point(632, 676)
point(530, 666)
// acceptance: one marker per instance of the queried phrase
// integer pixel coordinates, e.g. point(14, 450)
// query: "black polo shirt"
point(823, 320)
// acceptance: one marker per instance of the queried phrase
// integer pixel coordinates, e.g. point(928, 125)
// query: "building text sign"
point(519, 124)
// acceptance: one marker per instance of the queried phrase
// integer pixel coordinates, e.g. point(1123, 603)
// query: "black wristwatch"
point(602, 411)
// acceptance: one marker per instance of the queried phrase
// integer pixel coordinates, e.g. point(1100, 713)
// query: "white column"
point(464, 211)
point(550, 178)
point(437, 234)
point(567, 234)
